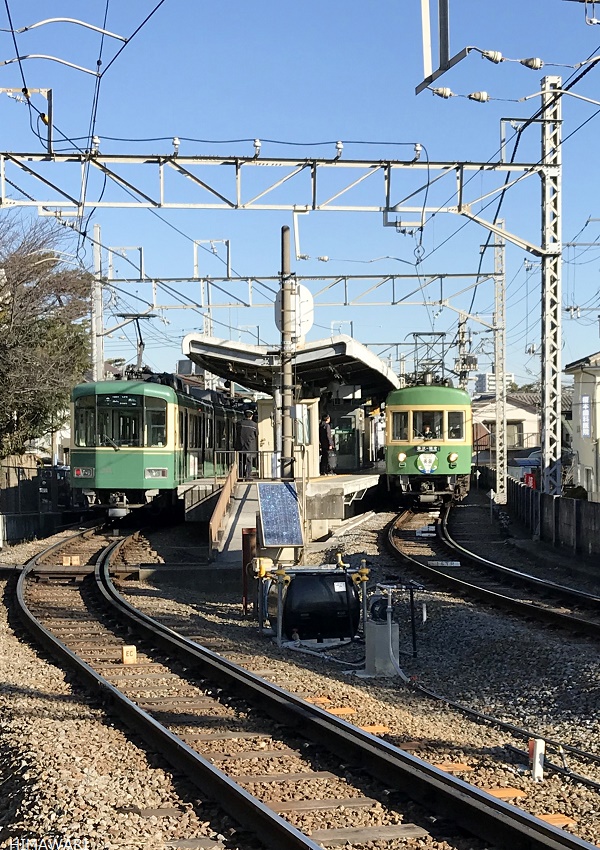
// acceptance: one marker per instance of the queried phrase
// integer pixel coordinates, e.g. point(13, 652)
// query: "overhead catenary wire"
point(270, 141)
point(94, 112)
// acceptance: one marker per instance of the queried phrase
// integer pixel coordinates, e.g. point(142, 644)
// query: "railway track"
point(426, 542)
point(282, 767)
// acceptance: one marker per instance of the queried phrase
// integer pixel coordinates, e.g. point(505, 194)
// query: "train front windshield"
point(427, 425)
point(120, 421)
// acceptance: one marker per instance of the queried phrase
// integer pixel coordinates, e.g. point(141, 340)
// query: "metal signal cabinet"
point(428, 444)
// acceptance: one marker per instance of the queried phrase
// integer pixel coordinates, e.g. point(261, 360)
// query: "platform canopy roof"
point(320, 366)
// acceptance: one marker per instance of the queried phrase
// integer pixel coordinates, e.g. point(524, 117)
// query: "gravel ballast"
point(67, 770)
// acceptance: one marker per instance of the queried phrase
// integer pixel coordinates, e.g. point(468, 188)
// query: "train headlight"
point(452, 457)
point(156, 472)
point(83, 472)
point(401, 457)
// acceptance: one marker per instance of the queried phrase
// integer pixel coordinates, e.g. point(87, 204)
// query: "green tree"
point(528, 388)
point(44, 333)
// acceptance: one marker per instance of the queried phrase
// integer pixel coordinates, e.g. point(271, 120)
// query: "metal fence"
point(32, 499)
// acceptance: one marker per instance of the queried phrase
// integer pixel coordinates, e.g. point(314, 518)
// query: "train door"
point(209, 443)
point(202, 442)
point(185, 446)
point(179, 465)
point(220, 440)
point(194, 444)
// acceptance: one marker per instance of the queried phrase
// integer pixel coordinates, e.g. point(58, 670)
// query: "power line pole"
point(500, 367)
point(551, 285)
point(96, 312)
point(288, 331)
point(461, 362)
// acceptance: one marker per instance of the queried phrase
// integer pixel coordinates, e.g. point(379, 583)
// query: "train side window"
point(85, 421)
point(156, 421)
point(456, 425)
point(400, 425)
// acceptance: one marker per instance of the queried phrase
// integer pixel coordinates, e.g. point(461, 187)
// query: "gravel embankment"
point(65, 770)
point(541, 679)
point(68, 771)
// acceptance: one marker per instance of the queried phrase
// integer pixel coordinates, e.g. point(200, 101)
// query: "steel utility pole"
point(463, 372)
point(551, 285)
point(96, 313)
point(500, 367)
point(287, 345)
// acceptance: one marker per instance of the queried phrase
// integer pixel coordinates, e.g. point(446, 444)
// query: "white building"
point(486, 382)
point(586, 424)
point(522, 420)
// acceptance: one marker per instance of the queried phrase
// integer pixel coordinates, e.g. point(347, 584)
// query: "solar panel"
point(279, 514)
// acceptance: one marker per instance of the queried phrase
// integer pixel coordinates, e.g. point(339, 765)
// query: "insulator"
point(481, 96)
point(534, 63)
point(444, 92)
point(493, 55)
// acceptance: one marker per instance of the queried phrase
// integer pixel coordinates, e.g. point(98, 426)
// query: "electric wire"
point(570, 83)
point(518, 133)
point(93, 117)
point(132, 36)
point(426, 187)
point(22, 72)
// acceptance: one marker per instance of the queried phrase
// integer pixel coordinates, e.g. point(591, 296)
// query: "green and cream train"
point(428, 447)
point(141, 441)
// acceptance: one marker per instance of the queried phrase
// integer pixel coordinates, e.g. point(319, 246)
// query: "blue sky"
point(305, 73)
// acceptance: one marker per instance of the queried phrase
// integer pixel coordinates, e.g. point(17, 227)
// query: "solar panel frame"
point(279, 510)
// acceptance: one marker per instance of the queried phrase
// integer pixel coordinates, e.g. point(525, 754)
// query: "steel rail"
point(273, 830)
point(580, 596)
point(35, 561)
point(474, 809)
point(572, 622)
point(478, 715)
point(493, 597)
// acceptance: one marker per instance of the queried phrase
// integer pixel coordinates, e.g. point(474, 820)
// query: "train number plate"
point(443, 563)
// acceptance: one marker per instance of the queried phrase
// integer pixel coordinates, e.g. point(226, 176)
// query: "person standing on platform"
point(325, 444)
point(247, 444)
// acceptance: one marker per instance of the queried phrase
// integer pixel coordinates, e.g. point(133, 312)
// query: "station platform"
point(329, 500)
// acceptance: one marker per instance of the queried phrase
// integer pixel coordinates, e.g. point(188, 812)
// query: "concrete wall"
point(571, 524)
